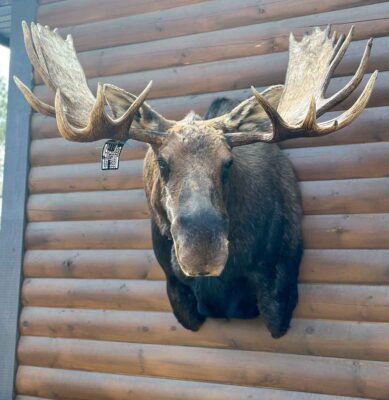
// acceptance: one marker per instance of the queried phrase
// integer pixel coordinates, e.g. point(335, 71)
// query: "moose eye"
point(226, 169)
point(228, 164)
point(164, 168)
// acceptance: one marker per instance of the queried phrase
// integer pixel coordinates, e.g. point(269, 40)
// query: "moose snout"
point(205, 223)
point(201, 243)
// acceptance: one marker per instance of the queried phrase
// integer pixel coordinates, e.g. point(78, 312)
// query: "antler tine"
point(337, 43)
point(271, 112)
point(309, 127)
point(343, 93)
point(281, 129)
point(148, 118)
point(33, 101)
point(137, 103)
point(99, 120)
point(352, 113)
point(309, 122)
point(338, 52)
point(31, 50)
point(311, 65)
point(312, 60)
point(35, 34)
point(66, 129)
point(81, 117)
point(340, 49)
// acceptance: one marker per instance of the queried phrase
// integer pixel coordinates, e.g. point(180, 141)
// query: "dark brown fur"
point(260, 205)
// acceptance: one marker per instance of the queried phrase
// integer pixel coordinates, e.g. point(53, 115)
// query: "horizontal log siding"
point(87, 385)
point(96, 322)
point(355, 231)
point(213, 77)
point(340, 302)
point(324, 197)
point(73, 12)
point(311, 164)
point(371, 126)
point(177, 107)
point(318, 266)
point(217, 15)
point(210, 46)
point(294, 372)
point(366, 340)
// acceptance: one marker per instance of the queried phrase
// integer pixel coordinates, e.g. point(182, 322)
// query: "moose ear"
point(119, 100)
point(249, 115)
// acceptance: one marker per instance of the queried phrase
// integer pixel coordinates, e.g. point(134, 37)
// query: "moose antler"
point(293, 109)
point(81, 117)
point(312, 62)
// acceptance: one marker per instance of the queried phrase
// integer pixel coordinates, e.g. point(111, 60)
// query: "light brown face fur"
point(186, 183)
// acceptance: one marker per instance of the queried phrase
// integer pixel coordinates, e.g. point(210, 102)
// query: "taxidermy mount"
point(224, 200)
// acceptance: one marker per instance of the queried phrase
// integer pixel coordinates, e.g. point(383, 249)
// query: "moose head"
point(191, 159)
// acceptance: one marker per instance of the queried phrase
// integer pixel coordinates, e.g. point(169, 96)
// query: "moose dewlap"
point(224, 201)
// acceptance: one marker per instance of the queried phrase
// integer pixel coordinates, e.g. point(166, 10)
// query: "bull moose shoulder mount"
point(224, 201)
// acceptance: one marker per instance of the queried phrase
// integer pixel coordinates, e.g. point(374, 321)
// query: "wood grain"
point(178, 107)
point(325, 338)
point(196, 18)
point(345, 266)
point(112, 204)
point(318, 266)
point(340, 162)
point(219, 76)
point(119, 234)
point(97, 386)
point(311, 164)
point(319, 197)
point(316, 301)
point(81, 177)
point(100, 264)
point(245, 41)
point(294, 372)
point(60, 151)
point(351, 196)
point(358, 231)
point(343, 231)
point(75, 12)
point(107, 294)
point(21, 397)
point(371, 126)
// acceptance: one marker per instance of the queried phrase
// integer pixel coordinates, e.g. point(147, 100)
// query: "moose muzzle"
point(200, 242)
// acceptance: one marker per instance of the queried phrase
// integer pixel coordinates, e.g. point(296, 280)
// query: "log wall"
point(96, 322)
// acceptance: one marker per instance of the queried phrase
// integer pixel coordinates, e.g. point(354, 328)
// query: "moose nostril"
point(203, 273)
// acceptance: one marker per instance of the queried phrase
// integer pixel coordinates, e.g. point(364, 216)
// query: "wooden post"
point(14, 199)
